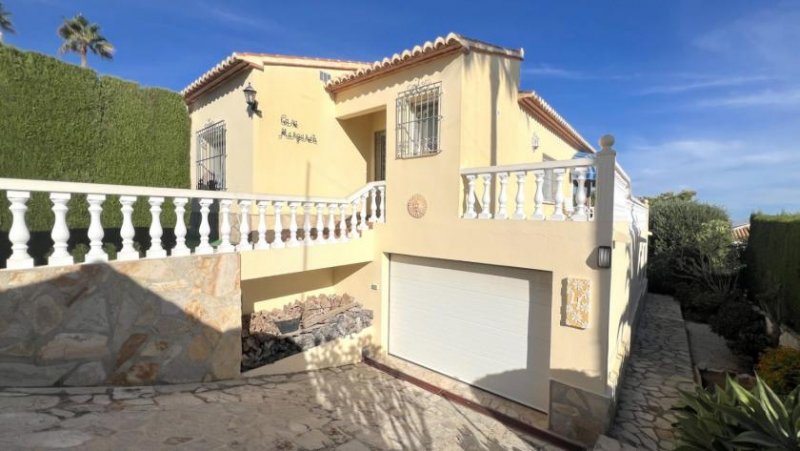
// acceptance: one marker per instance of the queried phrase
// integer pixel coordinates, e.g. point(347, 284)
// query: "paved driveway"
point(352, 408)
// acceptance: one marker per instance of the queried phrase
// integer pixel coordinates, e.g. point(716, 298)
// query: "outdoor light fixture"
point(250, 97)
point(535, 142)
point(604, 257)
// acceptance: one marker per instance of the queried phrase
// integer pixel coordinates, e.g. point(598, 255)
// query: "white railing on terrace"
point(330, 219)
point(568, 202)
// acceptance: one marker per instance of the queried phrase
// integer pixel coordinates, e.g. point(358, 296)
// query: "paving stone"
point(353, 445)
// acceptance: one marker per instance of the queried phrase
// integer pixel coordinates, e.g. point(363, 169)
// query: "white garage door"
point(485, 325)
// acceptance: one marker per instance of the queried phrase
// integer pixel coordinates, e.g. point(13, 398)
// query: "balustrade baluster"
point(180, 249)
point(519, 208)
point(293, 224)
point(382, 204)
point(127, 232)
point(580, 196)
point(156, 231)
point(354, 219)
point(18, 234)
point(244, 226)
point(538, 198)
point(278, 243)
point(502, 203)
point(469, 212)
point(96, 253)
point(60, 232)
point(262, 225)
point(343, 223)
point(204, 248)
point(373, 205)
point(558, 214)
point(569, 202)
point(320, 238)
point(225, 245)
point(486, 203)
point(307, 223)
point(331, 223)
point(362, 223)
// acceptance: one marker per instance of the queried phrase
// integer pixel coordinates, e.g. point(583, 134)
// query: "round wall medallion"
point(417, 206)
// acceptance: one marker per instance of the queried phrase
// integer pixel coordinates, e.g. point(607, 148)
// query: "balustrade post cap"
point(606, 141)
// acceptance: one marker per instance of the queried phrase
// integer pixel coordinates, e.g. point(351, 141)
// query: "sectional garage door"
point(485, 325)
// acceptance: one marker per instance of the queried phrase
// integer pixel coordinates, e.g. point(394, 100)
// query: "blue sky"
point(701, 95)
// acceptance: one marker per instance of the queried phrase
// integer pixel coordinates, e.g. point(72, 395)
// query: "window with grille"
point(419, 120)
point(211, 157)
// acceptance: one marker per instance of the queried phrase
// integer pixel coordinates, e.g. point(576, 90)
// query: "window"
point(419, 120)
point(549, 186)
point(211, 157)
point(324, 76)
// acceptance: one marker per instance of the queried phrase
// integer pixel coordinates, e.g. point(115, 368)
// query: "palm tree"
point(81, 37)
point(5, 22)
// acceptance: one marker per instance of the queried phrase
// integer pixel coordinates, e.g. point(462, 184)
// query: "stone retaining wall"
point(124, 323)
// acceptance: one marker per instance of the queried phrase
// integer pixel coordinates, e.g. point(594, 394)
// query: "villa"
point(489, 241)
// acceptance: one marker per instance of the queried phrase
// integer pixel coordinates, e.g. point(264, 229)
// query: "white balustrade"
point(320, 238)
point(307, 223)
point(18, 234)
point(486, 202)
point(519, 208)
point(342, 225)
point(60, 232)
point(558, 213)
point(96, 253)
point(225, 244)
point(293, 224)
point(156, 231)
point(244, 226)
point(469, 212)
point(262, 243)
point(502, 201)
point(180, 249)
point(204, 248)
point(277, 242)
point(332, 224)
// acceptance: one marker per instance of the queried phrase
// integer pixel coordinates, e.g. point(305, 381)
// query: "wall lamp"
point(604, 257)
point(250, 97)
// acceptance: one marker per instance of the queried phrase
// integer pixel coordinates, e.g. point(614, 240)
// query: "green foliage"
point(738, 419)
point(5, 22)
point(698, 304)
point(61, 122)
point(780, 369)
point(690, 242)
point(742, 326)
point(772, 257)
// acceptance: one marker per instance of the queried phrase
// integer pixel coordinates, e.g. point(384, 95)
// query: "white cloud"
point(776, 98)
point(704, 83)
point(546, 70)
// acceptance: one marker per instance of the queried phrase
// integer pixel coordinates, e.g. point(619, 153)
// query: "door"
point(380, 155)
point(485, 325)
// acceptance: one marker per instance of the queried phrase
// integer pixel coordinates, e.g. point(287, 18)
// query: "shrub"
point(735, 418)
point(773, 265)
point(742, 326)
point(697, 302)
point(780, 369)
point(690, 240)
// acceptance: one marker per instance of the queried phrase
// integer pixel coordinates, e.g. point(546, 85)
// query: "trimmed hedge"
point(62, 122)
point(773, 265)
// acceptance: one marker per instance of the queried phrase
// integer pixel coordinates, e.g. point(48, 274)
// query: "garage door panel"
point(485, 325)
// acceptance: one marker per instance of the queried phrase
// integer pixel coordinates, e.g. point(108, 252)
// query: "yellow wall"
point(226, 102)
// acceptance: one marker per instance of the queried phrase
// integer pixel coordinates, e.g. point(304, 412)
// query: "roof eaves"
point(534, 104)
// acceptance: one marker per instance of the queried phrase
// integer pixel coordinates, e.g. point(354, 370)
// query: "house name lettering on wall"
point(289, 130)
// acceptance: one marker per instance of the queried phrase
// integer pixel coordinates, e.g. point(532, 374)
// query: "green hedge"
point(62, 122)
point(773, 264)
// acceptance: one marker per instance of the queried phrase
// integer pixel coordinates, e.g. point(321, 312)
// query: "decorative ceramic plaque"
point(417, 206)
point(576, 310)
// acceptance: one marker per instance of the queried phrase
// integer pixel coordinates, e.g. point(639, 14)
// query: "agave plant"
point(735, 418)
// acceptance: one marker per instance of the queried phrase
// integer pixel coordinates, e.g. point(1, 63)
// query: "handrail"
point(7, 184)
point(624, 174)
point(557, 164)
